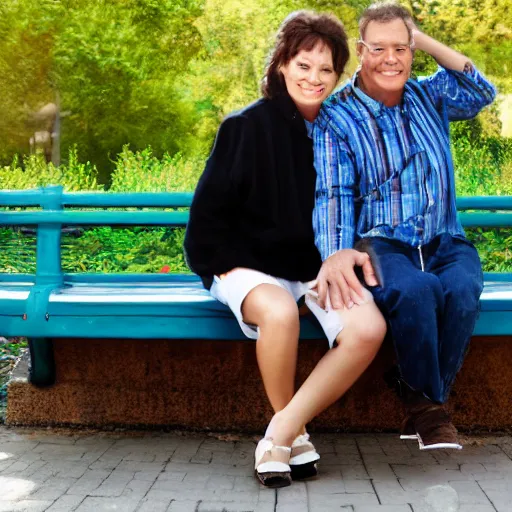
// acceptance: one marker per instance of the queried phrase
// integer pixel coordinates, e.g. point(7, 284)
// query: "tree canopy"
point(163, 73)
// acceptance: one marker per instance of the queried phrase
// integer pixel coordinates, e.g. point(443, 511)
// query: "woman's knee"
point(364, 328)
point(269, 306)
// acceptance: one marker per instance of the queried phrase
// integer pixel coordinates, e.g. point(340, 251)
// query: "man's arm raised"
point(444, 55)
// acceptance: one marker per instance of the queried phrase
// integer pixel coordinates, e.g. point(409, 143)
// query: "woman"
point(250, 239)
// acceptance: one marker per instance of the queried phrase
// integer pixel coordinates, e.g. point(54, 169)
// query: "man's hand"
point(414, 32)
point(337, 282)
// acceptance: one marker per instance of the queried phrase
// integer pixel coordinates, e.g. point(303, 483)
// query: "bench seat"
point(166, 306)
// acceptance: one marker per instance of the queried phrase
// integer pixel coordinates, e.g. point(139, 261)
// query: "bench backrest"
point(57, 210)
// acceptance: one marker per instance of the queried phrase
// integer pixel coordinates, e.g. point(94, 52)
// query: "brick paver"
point(70, 471)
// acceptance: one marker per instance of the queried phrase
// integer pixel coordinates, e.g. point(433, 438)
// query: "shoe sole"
point(303, 471)
point(438, 446)
point(411, 437)
point(304, 465)
point(274, 480)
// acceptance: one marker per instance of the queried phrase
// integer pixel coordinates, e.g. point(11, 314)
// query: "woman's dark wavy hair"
point(302, 30)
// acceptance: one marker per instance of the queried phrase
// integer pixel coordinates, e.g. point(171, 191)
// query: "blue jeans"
point(431, 313)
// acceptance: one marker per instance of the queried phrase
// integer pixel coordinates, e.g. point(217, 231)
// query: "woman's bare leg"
point(275, 312)
point(358, 343)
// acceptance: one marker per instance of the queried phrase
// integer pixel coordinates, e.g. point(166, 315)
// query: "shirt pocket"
point(397, 198)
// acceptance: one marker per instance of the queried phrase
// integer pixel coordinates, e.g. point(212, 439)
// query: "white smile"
point(390, 73)
point(312, 92)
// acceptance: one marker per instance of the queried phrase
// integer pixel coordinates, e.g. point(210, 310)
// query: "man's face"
point(386, 60)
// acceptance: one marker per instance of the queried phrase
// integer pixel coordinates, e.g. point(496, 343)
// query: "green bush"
point(101, 249)
point(18, 252)
point(482, 167)
point(494, 248)
point(33, 171)
point(111, 250)
point(141, 171)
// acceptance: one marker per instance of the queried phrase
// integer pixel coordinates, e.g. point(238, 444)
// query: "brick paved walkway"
point(60, 471)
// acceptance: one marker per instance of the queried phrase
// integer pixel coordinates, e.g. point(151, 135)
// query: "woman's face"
point(310, 78)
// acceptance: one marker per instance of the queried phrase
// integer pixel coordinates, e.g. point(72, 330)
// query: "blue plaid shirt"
point(388, 171)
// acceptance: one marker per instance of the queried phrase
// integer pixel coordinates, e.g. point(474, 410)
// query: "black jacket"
point(254, 201)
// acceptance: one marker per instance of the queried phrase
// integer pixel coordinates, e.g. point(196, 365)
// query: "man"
point(385, 175)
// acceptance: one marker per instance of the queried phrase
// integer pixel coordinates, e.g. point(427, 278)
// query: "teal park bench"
point(50, 304)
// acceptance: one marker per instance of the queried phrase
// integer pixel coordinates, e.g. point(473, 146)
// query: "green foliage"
point(25, 61)
point(18, 252)
point(104, 249)
point(33, 171)
point(108, 250)
point(101, 249)
point(117, 64)
point(112, 66)
point(483, 168)
point(142, 171)
point(13, 347)
point(482, 30)
point(164, 73)
point(494, 248)
point(238, 36)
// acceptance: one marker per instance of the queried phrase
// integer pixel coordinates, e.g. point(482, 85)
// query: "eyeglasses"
point(377, 49)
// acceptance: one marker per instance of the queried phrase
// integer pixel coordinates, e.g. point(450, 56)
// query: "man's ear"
point(359, 50)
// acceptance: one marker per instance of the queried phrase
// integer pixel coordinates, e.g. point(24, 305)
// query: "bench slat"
point(120, 199)
point(101, 218)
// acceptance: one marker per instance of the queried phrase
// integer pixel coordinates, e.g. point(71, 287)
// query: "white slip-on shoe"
point(272, 464)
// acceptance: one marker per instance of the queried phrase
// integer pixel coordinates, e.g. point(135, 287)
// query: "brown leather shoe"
point(435, 429)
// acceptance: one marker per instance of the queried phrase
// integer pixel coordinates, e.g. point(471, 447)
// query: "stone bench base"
point(215, 385)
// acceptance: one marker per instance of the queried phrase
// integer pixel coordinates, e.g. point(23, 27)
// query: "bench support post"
point(48, 275)
point(42, 362)
point(48, 251)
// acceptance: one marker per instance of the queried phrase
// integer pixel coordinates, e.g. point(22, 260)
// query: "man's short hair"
point(302, 30)
point(384, 12)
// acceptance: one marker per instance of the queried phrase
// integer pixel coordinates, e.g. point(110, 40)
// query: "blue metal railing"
point(53, 216)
